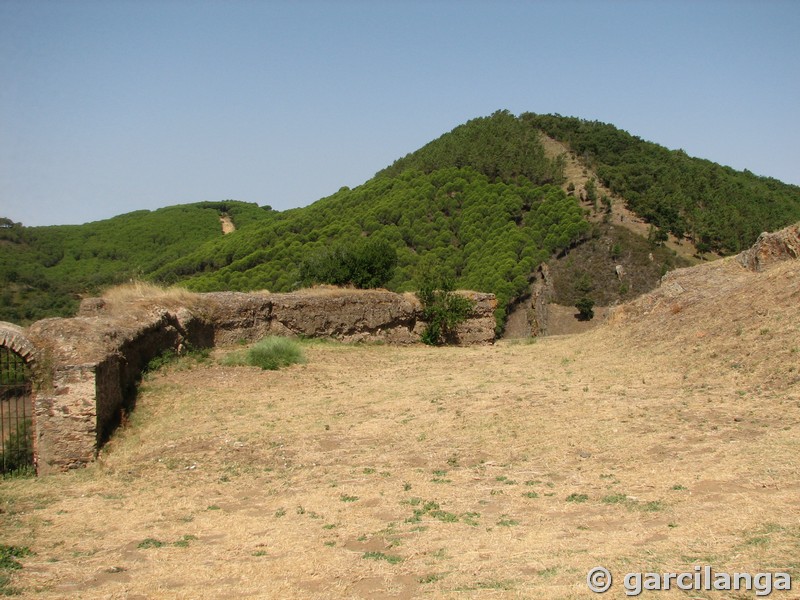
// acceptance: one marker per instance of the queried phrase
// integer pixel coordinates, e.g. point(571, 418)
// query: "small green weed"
point(506, 480)
point(444, 516)
point(151, 543)
point(759, 540)
point(615, 499)
point(471, 518)
point(494, 585)
point(10, 554)
point(390, 558)
point(184, 541)
point(578, 498)
point(632, 504)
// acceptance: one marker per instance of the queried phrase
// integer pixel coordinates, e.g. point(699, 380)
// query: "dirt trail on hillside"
point(577, 174)
point(227, 224)
point(664, 439)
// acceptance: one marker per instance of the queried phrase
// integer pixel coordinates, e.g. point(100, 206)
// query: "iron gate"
point(16, 414)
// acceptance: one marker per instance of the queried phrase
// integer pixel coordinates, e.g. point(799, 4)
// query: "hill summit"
point(483, 205)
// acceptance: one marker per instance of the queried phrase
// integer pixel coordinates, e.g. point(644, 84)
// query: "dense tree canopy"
point(452, 223)
point(720, 208)
point(502, 147)
point(44, 269)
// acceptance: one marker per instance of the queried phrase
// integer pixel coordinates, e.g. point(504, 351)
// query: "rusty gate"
point(16, 414)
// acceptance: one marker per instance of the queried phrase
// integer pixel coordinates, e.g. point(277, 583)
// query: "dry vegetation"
point(661, 441)
point(143, 294)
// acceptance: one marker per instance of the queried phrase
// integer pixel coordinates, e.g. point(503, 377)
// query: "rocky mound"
point(771, 248)
point(734, 318)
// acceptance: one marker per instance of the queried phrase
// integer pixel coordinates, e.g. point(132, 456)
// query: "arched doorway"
point(16, 414)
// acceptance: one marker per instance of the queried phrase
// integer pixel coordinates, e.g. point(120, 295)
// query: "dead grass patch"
point(139, 293)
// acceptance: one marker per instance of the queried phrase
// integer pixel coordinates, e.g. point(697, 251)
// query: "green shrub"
point(271, 353)
point(366, 263)
point(9, 554)
point(443, 309)
point(585, 308)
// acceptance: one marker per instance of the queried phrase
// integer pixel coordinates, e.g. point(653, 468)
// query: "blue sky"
point(112, 106)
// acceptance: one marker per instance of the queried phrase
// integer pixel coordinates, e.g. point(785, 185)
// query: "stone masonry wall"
point(90, 364)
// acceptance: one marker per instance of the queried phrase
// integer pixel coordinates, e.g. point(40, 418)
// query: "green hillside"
point(477, 205)
point(452, 222)
point(482, 204)
point(717, 207)
point(44, 269)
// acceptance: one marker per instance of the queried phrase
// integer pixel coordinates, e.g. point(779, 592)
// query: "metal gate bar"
point(16, 412)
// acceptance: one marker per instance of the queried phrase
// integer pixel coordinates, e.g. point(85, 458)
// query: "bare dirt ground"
point(563, 320)
point(227, 224)
point(664, 439)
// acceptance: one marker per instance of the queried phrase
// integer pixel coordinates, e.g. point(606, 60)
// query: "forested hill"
point(717, 207)
point(478, 205)
point(502, 147)
point(482, 204)
point(44, 270)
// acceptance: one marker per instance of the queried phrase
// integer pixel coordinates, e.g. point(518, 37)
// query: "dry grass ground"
point(666, 439)
point(137, 294)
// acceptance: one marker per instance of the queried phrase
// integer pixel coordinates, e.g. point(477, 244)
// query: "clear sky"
point(112, 106)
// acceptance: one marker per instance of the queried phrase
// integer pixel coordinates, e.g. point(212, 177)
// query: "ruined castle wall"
point(95, 360)
point(346, 315)
point(65, 419)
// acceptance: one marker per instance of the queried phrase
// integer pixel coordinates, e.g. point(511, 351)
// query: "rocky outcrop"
point(529, 317)
point(682, 289)
point(771, 248)
point(90, 365)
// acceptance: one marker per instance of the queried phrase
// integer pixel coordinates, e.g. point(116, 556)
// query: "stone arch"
point(13, 337)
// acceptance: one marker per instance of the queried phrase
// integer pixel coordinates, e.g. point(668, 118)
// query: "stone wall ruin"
point(88, 367)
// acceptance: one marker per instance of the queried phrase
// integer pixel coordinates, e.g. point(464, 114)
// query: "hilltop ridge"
point(484, 204)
